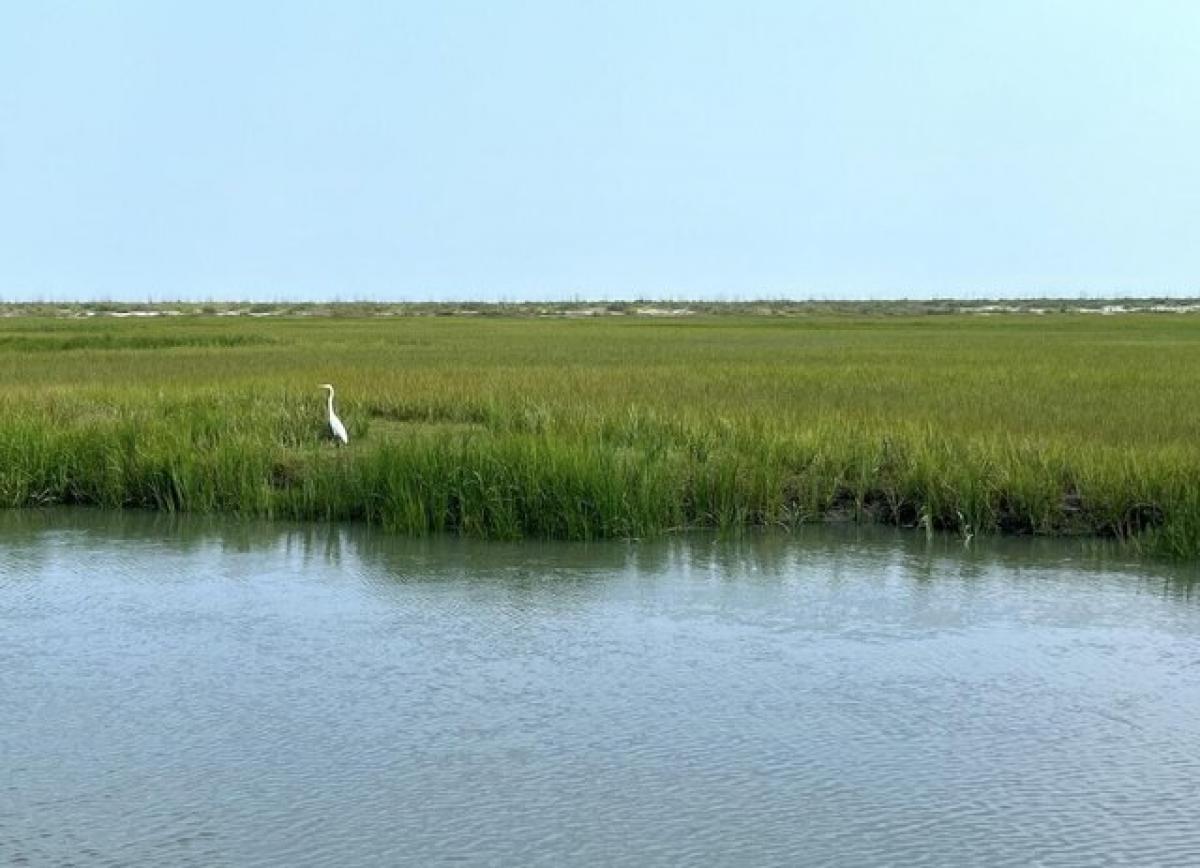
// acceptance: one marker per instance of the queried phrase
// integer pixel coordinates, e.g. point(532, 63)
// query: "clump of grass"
point(512, 427)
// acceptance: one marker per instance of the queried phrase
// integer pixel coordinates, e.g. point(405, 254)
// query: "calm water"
point(230, 693)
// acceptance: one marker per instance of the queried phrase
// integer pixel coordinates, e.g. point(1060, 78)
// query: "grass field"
point(618, 425)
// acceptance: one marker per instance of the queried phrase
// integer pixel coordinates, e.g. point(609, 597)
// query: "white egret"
point(336, 429)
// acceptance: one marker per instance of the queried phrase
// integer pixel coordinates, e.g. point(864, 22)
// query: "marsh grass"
point(584, 429)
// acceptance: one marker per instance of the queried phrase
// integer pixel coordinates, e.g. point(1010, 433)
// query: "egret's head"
point(325, 386)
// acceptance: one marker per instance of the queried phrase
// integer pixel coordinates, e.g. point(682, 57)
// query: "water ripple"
point(209, 694)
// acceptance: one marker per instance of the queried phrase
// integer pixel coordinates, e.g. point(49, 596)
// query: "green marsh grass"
point(618, 426)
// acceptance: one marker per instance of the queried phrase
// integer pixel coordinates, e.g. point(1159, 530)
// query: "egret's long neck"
point(331, 402)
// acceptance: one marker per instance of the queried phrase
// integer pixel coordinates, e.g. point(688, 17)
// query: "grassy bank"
point(618, 426)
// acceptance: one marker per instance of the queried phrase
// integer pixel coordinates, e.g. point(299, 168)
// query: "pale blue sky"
point(556, 149)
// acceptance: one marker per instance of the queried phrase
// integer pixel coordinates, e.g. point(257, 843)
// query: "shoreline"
point(520, 485)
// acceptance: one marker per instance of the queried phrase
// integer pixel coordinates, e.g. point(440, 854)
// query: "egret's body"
point(336, 429)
